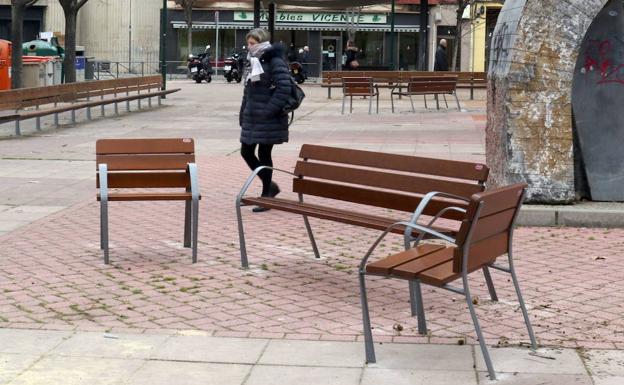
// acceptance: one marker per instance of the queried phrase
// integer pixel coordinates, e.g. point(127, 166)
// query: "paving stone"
point(533, 378)
point(545, 361)
point(30, 341)
point(608, 380)
point(211, 349)
point(303, 375)
point(374, 376)
point(13, 364)
point(111, 345)
point(605, 362)
point(187, 373)
point(313, 353)
point(423, 357)
point(78, 371)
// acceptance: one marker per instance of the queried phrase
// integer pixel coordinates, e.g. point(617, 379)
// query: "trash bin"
point(38, 71)
point(5, 65)
point(80, 68)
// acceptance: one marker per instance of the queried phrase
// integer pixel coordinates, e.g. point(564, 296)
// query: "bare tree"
point(70, 8)
point(18, 7)
point(353, 20)
point(187, 6)
point(461, 7)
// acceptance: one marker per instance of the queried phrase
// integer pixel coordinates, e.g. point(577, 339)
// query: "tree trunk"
point(17, 31)
point(69, 63)
point(458, 35)
point(189, 24)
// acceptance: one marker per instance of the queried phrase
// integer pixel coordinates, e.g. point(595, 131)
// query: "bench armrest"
point(423, 205)
point(192, 170)
point(255, 172)
point(409, 227)
point(103, 175)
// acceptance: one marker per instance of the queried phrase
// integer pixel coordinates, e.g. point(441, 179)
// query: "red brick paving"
point(52, 277)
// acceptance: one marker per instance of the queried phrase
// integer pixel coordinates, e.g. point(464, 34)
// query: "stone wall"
point(529, 128)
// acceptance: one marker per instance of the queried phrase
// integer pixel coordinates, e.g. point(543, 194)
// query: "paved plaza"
point(290, 318)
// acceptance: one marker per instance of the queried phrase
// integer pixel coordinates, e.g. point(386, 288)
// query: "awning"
point(299, 27)
point(328, 3)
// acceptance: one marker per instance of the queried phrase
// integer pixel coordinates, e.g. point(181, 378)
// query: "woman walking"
point(262, 119)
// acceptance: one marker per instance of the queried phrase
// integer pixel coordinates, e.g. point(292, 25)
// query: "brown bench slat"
point(393, 181)
point(385, 266)
point(145, 146)
point(377, 198)
point(337, 215)
point(149, 196)
point(440, 167)
point(161, 179)
point(413, 269)
point(146, 162)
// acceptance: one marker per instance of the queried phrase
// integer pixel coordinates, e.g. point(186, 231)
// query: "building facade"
point(128, 31)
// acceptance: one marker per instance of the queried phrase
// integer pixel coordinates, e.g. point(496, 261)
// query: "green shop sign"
point(317, 17)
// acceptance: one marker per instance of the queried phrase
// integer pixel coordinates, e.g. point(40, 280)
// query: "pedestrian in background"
point(305, 59)
point(262, 120)
point(441, 60)
point(351, 63)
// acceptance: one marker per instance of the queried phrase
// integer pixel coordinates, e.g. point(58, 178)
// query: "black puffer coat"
point(261, 117)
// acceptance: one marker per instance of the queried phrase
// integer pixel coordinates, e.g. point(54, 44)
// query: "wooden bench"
point(388, 79)
point(486, 233)
point(428, 85)
point(370, 180)
point(37, 102)
point(148, 164)
point(361, 86)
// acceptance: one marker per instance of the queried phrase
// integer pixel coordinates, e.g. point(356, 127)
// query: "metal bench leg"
point(490, 283)
point(18, 131)
point(457, 100)
point(317, 255)
point(102, 106)
point(418, 308)
point(344, 99)
point(370, 105)
point(38, 123)
point(392, 101)
point(445, 102)
point(139, 104)
point(187, 224)
point(525, 314)
point(351, 105)
point(475, 321)
point(241, 236)
point(368, 334)
point(195, 226)
point(89, 113)
point(159, 102)
point(329, 92)
point(149, 102)
point(437, 99)
point(377, 103)
point(412, 101)
point(103, 169)
point(425, 97)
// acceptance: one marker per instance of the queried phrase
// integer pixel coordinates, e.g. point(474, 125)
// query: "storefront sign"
point(317, 17)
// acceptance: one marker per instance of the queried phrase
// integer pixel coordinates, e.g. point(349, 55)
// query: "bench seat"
point(173, 196)
point(336, 215)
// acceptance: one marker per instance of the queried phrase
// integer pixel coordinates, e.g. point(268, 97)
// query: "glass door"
point(330, 55)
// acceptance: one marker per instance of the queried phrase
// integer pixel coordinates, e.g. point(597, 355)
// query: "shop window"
point(204, 37)
point(370, 46)
point(408, 51)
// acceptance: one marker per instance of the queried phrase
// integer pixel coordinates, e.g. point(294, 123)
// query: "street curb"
point(586, 214)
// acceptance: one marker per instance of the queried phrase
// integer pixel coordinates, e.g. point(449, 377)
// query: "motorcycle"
point(296, 71)
point(233, 68)
point(200, 68)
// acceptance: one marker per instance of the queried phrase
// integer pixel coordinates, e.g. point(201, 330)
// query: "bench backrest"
point(466, 78)
point(486, 231)
point(384, 180)
point(63, 93)
point(146, 163)
point(432, 83)
point(357, 86)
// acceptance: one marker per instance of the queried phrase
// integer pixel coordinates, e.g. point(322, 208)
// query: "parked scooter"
point(199, 67)
point(233, 68)
point(296, 71)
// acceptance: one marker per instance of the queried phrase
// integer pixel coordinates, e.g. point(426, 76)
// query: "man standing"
point(441, 61)
point(305, 59)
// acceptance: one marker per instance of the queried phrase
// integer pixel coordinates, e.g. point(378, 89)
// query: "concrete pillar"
point(529, 129)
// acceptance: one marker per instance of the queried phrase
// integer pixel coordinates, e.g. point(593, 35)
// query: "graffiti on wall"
point(603, 56)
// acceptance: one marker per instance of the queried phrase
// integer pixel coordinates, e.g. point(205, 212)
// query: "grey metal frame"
point(374, 92)
point(191, 217)
point(392, 93)
point(239, 216)
point(368, 337)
